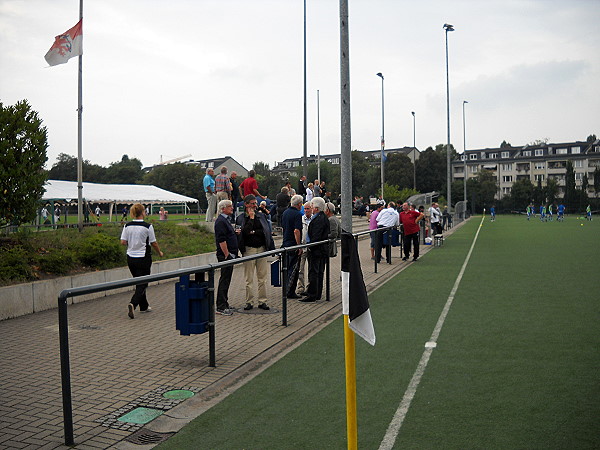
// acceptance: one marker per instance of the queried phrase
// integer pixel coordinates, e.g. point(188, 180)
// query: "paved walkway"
point(118, 364)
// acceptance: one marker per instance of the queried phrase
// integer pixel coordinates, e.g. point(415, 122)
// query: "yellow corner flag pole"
point(351, 421)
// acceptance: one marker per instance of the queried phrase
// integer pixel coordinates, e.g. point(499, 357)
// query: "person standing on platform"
point(223, 185)
point(386, 218)
point(373, 226)
point(410, 223)
point(318, 230)
point(301, 186)
point(291, 220)
point(306, 218)
point(335, 228)
point(235, 190)
point(139, 238)
point(211, 194)
point(227, 248)
point(250, 186)
point(255, 238)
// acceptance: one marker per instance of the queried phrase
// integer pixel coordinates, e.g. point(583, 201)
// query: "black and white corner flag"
point(355, 302)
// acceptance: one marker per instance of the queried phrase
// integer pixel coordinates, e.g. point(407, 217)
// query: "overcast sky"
point(225, 77)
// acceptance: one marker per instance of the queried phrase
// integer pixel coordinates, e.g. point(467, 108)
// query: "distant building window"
point(539, 166)
point(539, 152)
point(561, 151)
point(334, 160)
point(507, 167)
point(539, 177)
point(526, 152)
point(578, 163)
point(575, 150)
point(507, 178)
point(506, 190)
point(505, 154)
point(473, 156)
point(482, 155)
point(462, 157)
point(493, 155)
point(211, 164)
point(578, 176)
point(473, 169)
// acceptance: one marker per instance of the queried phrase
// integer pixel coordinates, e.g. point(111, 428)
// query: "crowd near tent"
point(112, 194)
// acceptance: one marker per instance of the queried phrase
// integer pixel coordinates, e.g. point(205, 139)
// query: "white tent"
point(112, 193)
point(58, 190)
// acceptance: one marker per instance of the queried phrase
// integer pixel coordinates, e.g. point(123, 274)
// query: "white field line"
point(394, 428)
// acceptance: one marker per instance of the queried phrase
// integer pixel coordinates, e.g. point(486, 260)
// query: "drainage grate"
point(146, 437)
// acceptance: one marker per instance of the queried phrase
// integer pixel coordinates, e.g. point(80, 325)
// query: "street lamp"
point(465, 155)
point(448, 28)
point(318, 139)
point(382, 133)
point(414, 151)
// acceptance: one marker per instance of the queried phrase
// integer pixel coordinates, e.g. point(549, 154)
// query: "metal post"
point(345, 124)
point(328, 279)
point(304, 158)
point(382, 135)
point(65, 370)
point(319, 141)
point(465, 158)
point(448, 27)
point(414, 151)
point(79, 133)
point(284, 261)
point(211, 319)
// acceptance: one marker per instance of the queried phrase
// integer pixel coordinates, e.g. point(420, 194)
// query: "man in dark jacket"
point(227, 248)
point(318, 230)
point(255, 238)
point(291, 221)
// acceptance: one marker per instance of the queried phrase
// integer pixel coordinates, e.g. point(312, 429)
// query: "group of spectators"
point(251, 234)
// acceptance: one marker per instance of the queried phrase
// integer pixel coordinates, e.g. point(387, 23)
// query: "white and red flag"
point(66, 46)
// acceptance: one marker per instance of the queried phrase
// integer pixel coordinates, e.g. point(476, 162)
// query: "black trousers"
point(414, 238)
point(140, 267)
point(223, 289)
point(316, 272)
point(293, 272)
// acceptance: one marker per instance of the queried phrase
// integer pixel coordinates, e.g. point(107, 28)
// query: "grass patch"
point(28, 255)
point(516, 364)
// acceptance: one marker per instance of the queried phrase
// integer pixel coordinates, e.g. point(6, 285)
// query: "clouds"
point(216, 78)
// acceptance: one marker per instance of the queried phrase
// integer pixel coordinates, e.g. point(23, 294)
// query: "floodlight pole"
point(448, 28)
point(380, 75)
point(465, 155)
point(414, 151)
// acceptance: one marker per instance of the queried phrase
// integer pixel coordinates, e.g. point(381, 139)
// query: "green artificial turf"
point(516, 364)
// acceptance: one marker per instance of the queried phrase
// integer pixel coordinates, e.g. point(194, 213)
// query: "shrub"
point(58, 261)
point(15, 264)
point(101, 251)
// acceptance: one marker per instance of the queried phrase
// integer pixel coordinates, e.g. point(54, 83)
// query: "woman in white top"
point(309, 192)
point(139, 237)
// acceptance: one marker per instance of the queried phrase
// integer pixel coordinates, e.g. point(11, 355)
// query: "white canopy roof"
point(109, 193)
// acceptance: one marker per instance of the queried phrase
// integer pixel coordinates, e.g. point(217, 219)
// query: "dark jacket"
point(318, 230)
point(241, 220)
point(224, 233)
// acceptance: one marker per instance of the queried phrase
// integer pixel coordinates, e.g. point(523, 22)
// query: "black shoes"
point(264, 306)
point(130, 310)
point(415, 258)
point(405, 258)
point(248, 307)
point(308, 300)
point(293, 296)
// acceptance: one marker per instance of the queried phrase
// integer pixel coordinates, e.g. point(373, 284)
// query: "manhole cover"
point(144, 437)
point(178, 394)
point(140, 415)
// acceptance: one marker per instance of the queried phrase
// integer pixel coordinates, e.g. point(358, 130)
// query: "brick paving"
point(118, 363)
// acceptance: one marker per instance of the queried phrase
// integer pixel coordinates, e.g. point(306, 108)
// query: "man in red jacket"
point(409, 218)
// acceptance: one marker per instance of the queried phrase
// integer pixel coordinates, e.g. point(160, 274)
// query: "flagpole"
point(79, 138)
point(346, 189)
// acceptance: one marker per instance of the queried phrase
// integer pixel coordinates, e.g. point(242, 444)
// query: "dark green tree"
point(505, 145)
point(597, 180)
point(539, 195)
point(65, 168)
point(126, 171)
point(432, 169)
point(184, 179)
point(571, 198)
point(551, 190)
point(591, 138)
point(521, 194)
point(23, 145)
point(399, 170)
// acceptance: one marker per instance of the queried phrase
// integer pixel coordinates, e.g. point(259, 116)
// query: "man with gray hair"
point(211, 194)
point(306, 218)
point(291, 221)
point(227, 248)
point(318, 230)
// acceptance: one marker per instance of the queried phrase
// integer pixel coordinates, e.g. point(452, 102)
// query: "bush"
point(58, 261)
point(15, 264)
point(101, 251)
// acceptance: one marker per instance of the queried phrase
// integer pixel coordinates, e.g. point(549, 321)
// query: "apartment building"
point(534, 162)
point(293, 166)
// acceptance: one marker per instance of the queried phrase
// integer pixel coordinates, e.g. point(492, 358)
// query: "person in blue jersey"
point(560, 213)
point(550, 212)
point(139, 238)
point(493, 213)
point(543, 213)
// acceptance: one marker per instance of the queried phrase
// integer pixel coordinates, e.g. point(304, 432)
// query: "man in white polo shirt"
point(388, 217)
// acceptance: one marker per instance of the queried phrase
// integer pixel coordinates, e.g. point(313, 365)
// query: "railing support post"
point(65, 370)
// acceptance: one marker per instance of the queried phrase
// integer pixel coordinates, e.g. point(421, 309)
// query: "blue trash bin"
point(191, 306)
